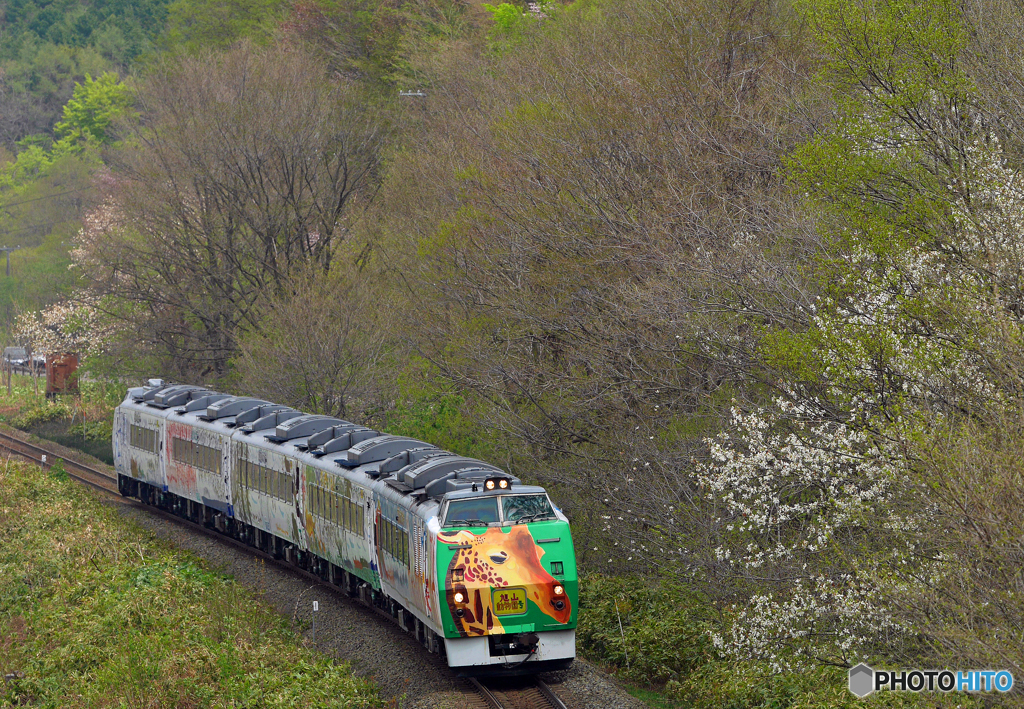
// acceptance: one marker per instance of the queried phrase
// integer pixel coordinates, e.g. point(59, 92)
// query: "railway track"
point(47, 458)
point(523, 693)
point(519, 693)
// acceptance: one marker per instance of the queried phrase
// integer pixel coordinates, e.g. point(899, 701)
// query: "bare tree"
point(244, 165)
point(319, 347)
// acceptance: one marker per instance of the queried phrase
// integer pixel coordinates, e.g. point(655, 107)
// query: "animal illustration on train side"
point(479, 567)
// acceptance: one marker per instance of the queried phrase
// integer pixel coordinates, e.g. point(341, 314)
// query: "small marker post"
point(316, 609)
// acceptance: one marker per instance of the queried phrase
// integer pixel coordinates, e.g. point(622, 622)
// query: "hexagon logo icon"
point(862, 680)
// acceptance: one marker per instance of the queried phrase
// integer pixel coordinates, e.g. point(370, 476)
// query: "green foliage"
point(894, 70)
point(437, 416)
point(95, 613)
point(94, 105)
point(57, 470)
point(509, 22)
point(194, 25)
point(749, 685)
point(664, 633)
point(49, 410)
point(119, 29)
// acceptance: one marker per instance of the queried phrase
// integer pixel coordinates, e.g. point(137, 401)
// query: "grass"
point(96, 612)
point(83, 422)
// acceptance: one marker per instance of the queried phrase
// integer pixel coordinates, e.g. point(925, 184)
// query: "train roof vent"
point(346, 440)
point(271, 420)
point(176, 396)
point(149, 391)
point(251, 413)
point(321, 437)
point(402, 460)
point(302, 426)
point(201, 403)
point(426, 471)
point(231, 406)
point(379, 448)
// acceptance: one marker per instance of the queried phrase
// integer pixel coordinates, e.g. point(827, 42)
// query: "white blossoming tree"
point(834, 514)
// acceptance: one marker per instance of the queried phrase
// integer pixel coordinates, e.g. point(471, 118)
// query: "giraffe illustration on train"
point(477, 565)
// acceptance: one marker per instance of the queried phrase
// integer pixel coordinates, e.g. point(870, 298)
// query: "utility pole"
point(7, 250)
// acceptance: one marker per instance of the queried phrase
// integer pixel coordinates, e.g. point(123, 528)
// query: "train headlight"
point(459, 597)
point(489, 484)
point(559, 590)
point(503, 484)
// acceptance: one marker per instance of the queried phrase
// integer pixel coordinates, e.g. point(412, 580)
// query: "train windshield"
point(472, 512)
point(526, 508)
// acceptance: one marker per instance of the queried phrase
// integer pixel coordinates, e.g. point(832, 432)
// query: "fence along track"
point(523, 693)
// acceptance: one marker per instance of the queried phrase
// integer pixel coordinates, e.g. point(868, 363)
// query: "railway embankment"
point(97, 611)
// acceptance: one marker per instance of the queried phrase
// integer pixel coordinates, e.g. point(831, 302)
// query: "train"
point(476, 565)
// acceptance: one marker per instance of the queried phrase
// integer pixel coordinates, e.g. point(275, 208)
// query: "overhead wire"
point(36, 199)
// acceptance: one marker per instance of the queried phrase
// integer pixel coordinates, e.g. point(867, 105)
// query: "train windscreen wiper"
point(536, 517)
point(466, 523)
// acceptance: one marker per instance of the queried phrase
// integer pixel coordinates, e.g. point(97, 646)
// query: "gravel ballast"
point(376, 648)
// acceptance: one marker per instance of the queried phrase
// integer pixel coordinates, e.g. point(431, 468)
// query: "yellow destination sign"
point(509, 601)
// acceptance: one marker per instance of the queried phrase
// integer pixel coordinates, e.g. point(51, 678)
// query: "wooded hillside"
point(740, 281)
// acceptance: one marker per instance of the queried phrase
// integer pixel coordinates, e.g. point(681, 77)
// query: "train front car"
point(509, 591)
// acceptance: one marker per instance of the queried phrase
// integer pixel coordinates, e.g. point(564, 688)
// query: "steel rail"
point(549, 694)
point(492, 701)
point(47, 458)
